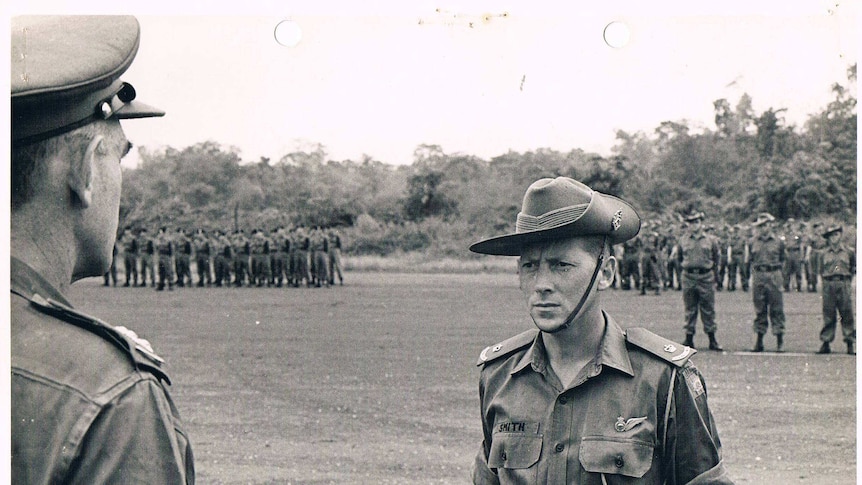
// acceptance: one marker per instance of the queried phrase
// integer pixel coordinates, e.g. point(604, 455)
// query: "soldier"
point(320, 255)
point(203, 253)
point(260, 266)
point(303, 258)
point(767, 257)
point(651, 278)
point(281, 256)
point(793, 265)
point(839, 266)
point(699, 258)
point(165, 248)
point(111, 274)
point(129, 243)
point(630, 269)
point(223, 258)
point(813, 256)
point(89, 401)
point(148, 257)
point(673, 265)
point(578, 399)
point(183, 257)
point(736, 248)
point(721, 237)
point(241, 255)
point(335, 258)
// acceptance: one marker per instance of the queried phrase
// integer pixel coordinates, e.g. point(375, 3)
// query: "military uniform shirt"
point(838, 261)
point(608, 426)
point(698, 251)
point(88, 403)
point(767, 251)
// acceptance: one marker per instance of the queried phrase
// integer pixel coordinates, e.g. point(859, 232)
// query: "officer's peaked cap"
point(562, 208)
point(66, 72)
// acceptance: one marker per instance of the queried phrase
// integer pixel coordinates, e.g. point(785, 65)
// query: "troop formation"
point(766, 257)
point(290, 257)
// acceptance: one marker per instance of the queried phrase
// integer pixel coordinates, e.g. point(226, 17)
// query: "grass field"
point(375, 382)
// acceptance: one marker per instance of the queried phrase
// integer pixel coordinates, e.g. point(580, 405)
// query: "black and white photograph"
point(432, 243)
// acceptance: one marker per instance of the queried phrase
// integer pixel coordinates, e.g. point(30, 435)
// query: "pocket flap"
point(514, 450)
point(601, 454)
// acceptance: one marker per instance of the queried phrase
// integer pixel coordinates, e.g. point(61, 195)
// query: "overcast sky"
point(479, 80)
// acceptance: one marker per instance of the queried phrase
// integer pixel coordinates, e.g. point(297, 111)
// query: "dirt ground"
point(375, 382)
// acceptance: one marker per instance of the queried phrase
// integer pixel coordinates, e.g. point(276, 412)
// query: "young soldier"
point(579, 399)
point(839, 266)
point(699, 259)
point(767, 257)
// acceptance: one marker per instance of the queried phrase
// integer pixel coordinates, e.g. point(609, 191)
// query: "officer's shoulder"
point(507, 347)
point(658, 346)
point(136, 349)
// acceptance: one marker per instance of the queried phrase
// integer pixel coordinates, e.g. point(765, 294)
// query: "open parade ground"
point(376, 381)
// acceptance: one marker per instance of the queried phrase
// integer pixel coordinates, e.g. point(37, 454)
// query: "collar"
point(612, 351)
point(25, 281)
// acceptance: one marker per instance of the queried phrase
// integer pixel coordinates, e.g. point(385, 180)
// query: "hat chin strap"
point(577, 309)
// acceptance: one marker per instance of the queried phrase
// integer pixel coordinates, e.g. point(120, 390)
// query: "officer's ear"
point(606, 274)
point(81, 172)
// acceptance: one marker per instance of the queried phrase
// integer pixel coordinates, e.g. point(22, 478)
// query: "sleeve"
point(138, 438)
point(692, 447)
point(482, 473)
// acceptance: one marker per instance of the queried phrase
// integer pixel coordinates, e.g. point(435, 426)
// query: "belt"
point(698, 270)
point(837, 277)
point(767, 267)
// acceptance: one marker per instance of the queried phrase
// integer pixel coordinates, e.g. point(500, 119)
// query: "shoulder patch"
point(667, 350)
point(507, 346)
point(138, 349)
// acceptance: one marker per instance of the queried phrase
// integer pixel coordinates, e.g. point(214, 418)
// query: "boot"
point(824, 349)
point(689, 340)
point(758, 346)
point(713, 343)
point(780, 342)
point(850, 349)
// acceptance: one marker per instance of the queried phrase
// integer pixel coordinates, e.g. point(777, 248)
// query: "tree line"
point(746, 163)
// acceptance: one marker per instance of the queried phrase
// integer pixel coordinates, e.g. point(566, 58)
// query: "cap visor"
point(137, 109)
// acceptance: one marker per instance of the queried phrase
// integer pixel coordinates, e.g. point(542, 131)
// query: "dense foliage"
point(746, 163)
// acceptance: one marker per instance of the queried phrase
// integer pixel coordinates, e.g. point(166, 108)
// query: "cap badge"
point(616, 222)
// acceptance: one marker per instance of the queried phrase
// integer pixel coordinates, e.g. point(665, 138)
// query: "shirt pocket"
point(515, 451)
point(616, 456)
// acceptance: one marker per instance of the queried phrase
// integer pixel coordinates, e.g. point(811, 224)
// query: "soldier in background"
point(813, 252)
point(260, 266)
point(165, 248)
point(320, 255)
point(651, 275)
point(183, 257)
point(839, 266)
point(335, 258)
point(794, 244)
point(241, 255)
point(767, 255)
point(630, 269)
point(720, 236)
point(129, 243)
point(203, 253)
point(673, 265)
point(148, 257)
point(111, 274)
point(699, 258)
point(221, 246)
point(302, 258)
point(281, 256)
point(736, 247)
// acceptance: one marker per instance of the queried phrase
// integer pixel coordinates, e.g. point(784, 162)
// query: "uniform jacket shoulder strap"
point(507, 346)
point(136, 348)
point(659, 346)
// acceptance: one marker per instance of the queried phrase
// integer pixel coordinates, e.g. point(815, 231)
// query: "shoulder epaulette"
point(138, 349)
point(668, 350)
point(507, 346)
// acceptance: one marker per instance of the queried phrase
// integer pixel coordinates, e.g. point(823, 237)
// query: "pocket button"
point(619, 462)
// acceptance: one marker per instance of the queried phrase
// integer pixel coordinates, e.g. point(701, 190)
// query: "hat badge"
point(617, 220)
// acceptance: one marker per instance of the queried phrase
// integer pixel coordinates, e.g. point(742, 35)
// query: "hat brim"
point(137, 109)
point(599, 221)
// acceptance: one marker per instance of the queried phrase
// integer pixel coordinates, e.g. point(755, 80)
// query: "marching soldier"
point(767, 255)
point(839, 266)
